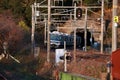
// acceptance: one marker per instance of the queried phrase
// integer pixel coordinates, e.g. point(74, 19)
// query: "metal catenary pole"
point(45, 35)
point(114, 26)
point(81, 2)
point(48, 30)
point(102, 25)
point(33, 29)
point(85, 29)
point(75, 32)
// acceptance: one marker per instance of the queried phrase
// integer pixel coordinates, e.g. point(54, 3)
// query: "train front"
point(55, 39)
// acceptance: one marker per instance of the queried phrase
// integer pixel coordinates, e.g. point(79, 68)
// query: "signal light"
point(61, 57)
point(67, 57)
point(78, 13)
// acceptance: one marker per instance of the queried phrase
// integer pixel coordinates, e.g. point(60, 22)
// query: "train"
point(57, 40)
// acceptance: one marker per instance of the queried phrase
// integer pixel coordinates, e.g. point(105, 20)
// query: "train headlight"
point(58, 43)
point(54, 43)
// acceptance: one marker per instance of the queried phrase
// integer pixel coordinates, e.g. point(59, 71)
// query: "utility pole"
point(102, 25)
point(114, 25)
point(48, 30)
point(74, 32)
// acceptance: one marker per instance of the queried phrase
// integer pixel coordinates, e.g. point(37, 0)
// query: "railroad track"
point(93, 56)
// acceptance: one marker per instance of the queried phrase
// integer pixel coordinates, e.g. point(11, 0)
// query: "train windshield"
point(55, 37)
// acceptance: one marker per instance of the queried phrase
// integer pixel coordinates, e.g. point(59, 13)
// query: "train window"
point(54, 37)
point(65, 38)
point(70, 39)
point(60, 37)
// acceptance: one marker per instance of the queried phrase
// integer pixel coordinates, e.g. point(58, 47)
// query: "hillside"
point(18, 37)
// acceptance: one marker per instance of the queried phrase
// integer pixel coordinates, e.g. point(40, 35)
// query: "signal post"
point(114, 25)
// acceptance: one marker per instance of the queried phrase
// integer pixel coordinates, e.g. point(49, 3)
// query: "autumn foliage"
point(10, 32)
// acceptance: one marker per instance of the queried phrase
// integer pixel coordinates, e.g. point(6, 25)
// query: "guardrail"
point(69, 76)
